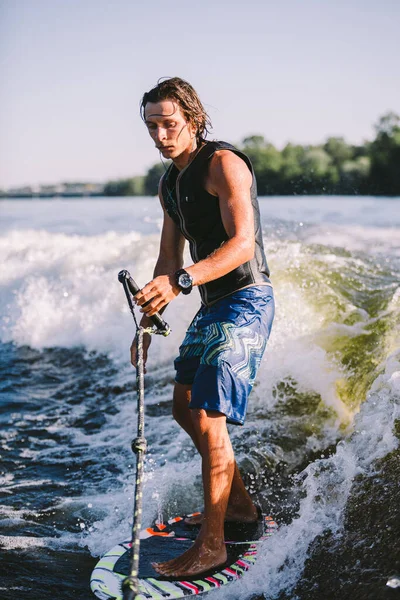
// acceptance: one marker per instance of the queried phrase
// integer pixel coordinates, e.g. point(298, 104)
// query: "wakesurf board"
point(164, 541)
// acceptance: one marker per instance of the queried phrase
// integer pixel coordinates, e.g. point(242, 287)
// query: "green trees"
point(384, 177)
point(152, 179)
point(267, 162)
point(332, 168)
point(125, 187)
point(294, 170)
point(146, 185)
point(319, 173)
point(354, 176)
point(338, 150)
point(291, 170)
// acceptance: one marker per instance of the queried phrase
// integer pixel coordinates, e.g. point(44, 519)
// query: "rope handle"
point(130, 585)
point(131, 286)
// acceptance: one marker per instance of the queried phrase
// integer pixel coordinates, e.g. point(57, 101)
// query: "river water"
point(319, 450)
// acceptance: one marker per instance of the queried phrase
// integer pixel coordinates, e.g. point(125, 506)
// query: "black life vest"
point(198, 216)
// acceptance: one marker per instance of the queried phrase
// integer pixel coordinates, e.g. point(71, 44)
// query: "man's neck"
point(187, 156)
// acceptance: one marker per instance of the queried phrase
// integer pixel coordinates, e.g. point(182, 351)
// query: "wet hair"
point(180, 91)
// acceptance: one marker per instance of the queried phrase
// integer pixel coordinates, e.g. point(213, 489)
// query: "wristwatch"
point(184, 281)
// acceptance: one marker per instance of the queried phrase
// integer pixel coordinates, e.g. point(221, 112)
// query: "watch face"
point(185, 280)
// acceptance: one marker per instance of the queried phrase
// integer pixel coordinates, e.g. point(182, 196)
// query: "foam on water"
point(60, 290)
point(25, 542)
point(326, 485)
point(372, 239)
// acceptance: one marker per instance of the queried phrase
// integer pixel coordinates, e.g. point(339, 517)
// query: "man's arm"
point(162, 288)
point(170, 259)
point(229, 178)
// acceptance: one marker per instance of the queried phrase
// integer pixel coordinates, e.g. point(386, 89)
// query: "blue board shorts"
point(223, 348)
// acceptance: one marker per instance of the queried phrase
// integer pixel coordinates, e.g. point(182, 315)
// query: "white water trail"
point(326, 486)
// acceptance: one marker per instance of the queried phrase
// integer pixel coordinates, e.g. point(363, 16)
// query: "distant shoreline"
point(151, 197)
point(50, 196)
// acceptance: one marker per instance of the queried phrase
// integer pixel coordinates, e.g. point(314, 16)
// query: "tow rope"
point(130, 585)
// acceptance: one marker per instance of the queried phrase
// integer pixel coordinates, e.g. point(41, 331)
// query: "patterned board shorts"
point(223, 348)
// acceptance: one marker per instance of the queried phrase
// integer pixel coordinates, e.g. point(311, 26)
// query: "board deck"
point(165, 541)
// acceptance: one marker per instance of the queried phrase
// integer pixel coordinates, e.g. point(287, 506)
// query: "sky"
point(72, 74)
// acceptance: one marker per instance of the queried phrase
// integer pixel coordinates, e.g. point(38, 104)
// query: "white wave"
point(327, 484)
point(382, 240)
point(60, 290)
point(25, 542)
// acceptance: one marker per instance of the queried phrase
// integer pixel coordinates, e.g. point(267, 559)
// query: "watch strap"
point(184, 290)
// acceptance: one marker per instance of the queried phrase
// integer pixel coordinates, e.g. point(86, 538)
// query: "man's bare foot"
point(198, 559)
point(233, 515)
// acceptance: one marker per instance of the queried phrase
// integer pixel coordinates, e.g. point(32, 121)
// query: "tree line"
point(334, 167)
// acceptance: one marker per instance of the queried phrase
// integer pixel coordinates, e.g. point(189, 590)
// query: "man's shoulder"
point(227, 166)
point(226, 151)
point(226, 155)
point(219, 145)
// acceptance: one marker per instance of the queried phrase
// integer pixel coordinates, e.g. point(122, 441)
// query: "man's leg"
point(218, 468)
point(240, 505)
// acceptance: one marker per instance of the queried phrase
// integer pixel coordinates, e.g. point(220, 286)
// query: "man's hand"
point(146, 344)
point(156, 294)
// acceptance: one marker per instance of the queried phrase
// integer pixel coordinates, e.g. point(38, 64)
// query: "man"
point(208, 195)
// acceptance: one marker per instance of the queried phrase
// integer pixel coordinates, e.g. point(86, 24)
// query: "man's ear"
point(193, 128)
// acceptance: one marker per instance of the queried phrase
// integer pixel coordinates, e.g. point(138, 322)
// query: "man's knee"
point(204, 420)
point(180, 402)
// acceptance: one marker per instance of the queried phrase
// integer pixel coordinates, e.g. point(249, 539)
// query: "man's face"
point(168, 128)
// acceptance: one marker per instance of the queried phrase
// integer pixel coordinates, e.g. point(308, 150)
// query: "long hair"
point(186, 97)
